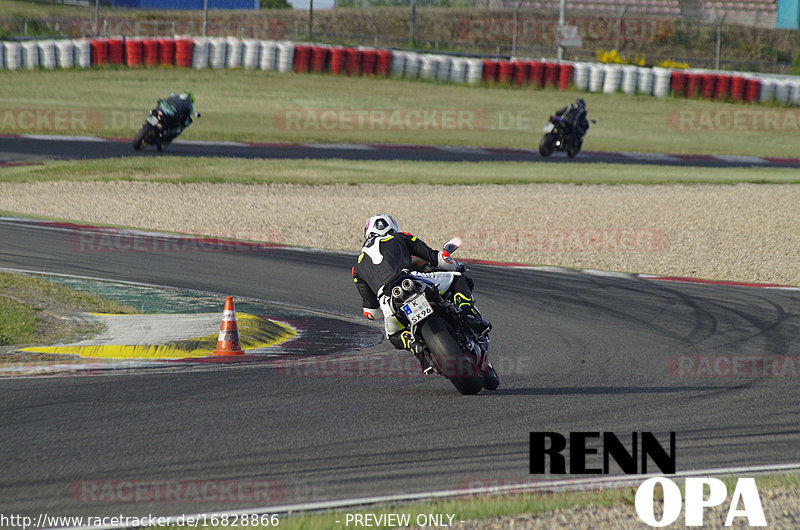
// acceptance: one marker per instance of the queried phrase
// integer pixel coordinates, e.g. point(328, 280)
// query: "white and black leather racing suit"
point(383, 259)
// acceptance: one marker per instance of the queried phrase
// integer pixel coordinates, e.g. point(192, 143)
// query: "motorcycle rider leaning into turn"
point(574, 115)
point(178, 109)
point(386, 256)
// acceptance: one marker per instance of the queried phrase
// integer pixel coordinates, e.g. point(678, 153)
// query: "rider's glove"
point(446, 262)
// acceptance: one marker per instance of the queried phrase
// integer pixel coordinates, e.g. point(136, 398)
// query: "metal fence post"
point(622, 13)
point(720, 22)
point(516, 28)
point(311, 20)
point(562, 17)
point(413, 29)
point(205, 16)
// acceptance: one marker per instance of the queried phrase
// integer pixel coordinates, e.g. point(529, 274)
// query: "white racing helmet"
point(380, 225)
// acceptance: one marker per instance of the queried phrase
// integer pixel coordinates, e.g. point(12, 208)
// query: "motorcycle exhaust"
point(409, 286)
point(397, 292)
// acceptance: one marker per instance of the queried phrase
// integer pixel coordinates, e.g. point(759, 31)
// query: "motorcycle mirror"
point(452, 245)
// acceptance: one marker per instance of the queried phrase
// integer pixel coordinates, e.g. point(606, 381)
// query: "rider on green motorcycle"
point(178, 110)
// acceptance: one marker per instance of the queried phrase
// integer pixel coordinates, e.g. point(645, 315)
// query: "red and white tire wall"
point(283, 56)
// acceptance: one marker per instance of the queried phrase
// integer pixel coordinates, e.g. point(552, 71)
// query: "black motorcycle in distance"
point(557, 137)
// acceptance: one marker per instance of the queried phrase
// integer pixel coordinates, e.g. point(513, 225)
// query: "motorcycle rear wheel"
point(546, 145)
point(143, 136)
point(574, 148)
point(449, 358)
point(490, 379)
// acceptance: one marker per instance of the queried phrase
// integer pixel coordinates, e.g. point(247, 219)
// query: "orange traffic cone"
point(228, 341)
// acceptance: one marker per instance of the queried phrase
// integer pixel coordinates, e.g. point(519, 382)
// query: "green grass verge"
point(80, 300)
point(263, 106)
point(17, 322)
point(321, 172)
point(495, 505)
point(483, 508)
point(25, 299)
point(479, 508)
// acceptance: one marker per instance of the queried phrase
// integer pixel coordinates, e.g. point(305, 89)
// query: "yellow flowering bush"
point(614, 57)
point(669, 63)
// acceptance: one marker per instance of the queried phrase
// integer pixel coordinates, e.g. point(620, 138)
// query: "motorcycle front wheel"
point(449, 358)
point(144, 136)
point(546, 145)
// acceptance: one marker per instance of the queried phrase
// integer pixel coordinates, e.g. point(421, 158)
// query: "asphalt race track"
point(20, 148)
point(575, 352)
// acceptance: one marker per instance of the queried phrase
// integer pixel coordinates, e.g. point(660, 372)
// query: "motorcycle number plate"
point(549, 127)
point(417, 309)
point(152, 120)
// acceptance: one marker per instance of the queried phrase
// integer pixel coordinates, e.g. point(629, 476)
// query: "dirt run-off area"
point(743, 232)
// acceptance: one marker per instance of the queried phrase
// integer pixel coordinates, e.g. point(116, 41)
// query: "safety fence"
point(285, 56)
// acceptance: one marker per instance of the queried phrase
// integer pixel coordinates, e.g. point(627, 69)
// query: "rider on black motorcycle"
point(178, 110)
point(387, 255)
point(574, 117)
